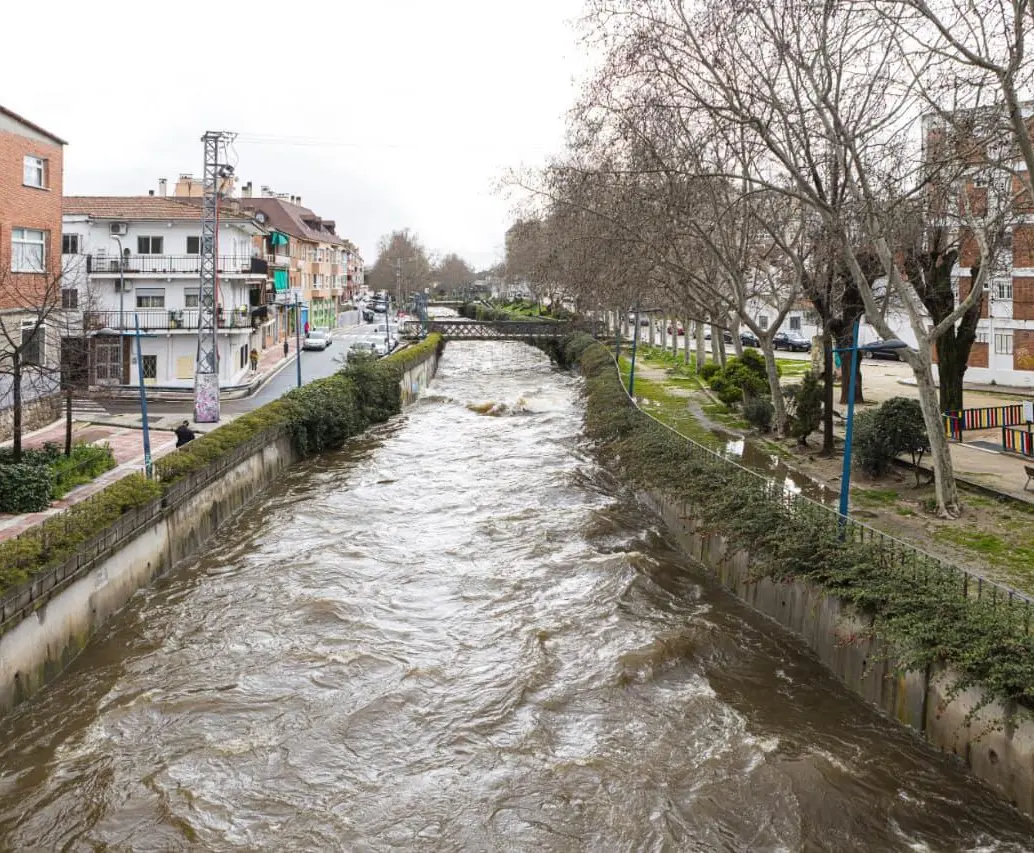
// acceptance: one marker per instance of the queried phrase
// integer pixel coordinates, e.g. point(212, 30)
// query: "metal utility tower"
point(206, 376)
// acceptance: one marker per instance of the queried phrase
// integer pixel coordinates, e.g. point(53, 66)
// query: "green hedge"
point(920, 609)
point(24, 487)
point(319, 416)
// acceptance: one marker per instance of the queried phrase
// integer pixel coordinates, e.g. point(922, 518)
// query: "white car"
point(316, 339)
point(371, 344)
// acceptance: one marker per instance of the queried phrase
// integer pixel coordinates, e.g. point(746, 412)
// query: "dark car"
point(876, 350)
point(748, 339)
point(791, 342)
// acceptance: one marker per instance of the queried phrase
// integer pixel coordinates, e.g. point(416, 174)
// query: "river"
point(459, 634)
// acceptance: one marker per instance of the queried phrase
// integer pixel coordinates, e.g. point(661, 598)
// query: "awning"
point(280, 283)
point(278, 239)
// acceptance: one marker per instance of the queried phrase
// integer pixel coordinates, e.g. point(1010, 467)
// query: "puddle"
point(771, 466)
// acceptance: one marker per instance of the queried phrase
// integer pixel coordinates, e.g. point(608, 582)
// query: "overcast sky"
point(419, 107)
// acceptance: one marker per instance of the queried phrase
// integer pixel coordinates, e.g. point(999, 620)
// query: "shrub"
point(804, 406)
point(742, 377)
point(24, 487)
point(709, 369)
point(85, 464)
point(758, 412)
point(882, 434)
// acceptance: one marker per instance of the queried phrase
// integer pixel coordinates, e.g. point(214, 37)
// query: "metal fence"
point(1018, 440)
point(986, 417)
point(902, 559)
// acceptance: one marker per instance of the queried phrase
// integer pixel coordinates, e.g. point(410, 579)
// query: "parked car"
point(316, 340)
point(679, 328)
point(370, 344)
point(874, 350)
point(749, 339)
point(791, 342)
point(326, 331)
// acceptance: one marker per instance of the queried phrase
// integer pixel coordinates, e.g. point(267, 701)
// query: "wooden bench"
point(1030, 475)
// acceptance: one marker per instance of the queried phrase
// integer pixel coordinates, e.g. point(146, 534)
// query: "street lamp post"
point(635, 345)
point(854, 349)
point(148, 467)
point(298, 335)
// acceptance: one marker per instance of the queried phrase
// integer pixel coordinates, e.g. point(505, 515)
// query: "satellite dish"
point(260, 217)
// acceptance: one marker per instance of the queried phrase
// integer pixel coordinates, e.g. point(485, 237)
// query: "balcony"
point(159, 319)
point(158, 265)
point(283, 261)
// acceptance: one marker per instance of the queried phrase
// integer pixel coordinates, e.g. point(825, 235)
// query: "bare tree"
point(402, 264)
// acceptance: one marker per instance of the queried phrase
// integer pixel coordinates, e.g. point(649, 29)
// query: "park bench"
point(1030, 475)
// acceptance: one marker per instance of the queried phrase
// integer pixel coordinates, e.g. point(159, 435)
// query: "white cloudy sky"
point(425, 104)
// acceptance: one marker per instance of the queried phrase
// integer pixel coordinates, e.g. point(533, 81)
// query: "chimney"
point(298, 200)
point(292, 199)
point(163, 187)
point(246, 190)
point(151, 193)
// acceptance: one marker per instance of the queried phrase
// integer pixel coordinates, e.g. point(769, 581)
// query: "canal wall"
point(995, 740)
point(47, 621)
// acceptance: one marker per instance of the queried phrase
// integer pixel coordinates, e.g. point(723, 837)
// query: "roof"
point(29, 124)
point(291, 219)
point(135, 207)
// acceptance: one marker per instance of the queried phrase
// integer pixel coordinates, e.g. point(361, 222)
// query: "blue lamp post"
point(854, 349)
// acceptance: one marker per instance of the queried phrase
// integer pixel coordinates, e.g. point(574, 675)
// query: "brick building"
point(30, 211)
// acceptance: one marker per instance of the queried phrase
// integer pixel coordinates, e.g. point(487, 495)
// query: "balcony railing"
point(278, 260)
point(173, 265)
point(152, 319)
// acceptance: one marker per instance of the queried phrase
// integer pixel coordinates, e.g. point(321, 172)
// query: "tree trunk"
point(16, 390)
point(827, 405)
point(845, 369)
point(68, 422)
point(940, 455)
point(651, 328)
point(951, 371)
point(675, 338)
point(701, 344)
point(772, 371)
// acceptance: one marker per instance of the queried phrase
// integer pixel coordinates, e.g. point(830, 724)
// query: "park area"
point(993, 536)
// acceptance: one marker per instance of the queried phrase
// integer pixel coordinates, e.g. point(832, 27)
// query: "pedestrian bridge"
point(485, 330)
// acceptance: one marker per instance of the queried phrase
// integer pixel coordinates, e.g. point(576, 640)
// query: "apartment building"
point(138, 259)
point(31, 170)
point(307, 257)
point(993, 179)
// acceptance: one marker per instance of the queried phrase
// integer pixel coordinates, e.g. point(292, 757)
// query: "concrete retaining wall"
point(48, 622)
point(996, 742)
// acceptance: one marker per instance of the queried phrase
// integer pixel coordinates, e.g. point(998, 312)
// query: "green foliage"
point(882, 434)
point(24, 487)
point(758, 412)
point(804, 405)
point(85, 464)
point(913, 601)
point(319, 416)
point(742, 377)
point(709, 370)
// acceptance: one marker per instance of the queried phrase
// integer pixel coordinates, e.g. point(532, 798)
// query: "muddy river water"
point(460, 634)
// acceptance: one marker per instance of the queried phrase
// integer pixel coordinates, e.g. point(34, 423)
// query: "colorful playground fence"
point(988, 417)
point(1017, 440)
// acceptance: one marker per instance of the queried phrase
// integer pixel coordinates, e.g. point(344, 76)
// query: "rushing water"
point(459, 634)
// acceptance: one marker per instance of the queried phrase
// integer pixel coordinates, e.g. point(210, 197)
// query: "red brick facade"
point(28, 207)
point(978, 355)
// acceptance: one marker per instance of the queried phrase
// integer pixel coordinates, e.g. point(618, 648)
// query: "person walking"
point(306, 329)
point(287, 348)
point(254, 359)
point(184, 434)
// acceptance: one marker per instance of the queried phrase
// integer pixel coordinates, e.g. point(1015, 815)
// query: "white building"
point(160, 239)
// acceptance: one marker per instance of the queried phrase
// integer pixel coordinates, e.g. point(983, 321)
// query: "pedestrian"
point(184, 434)
point(254, 359)
point(286, 348)
point(306, 328)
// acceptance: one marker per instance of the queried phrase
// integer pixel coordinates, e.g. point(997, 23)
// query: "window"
point(33, 336)
point(69, 297)
point(149, 245)
point(1003, 343)
point(150, 297)
point(795, 323)
point(763, 321)
point(70, 244)
point(34, 172)
point(1003, 289)
point(193, 245)
point(981, 338)
point(149, 367)
point(27, 250)
point(191, 298)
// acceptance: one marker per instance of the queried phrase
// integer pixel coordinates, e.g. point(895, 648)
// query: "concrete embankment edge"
point(62, 613)
point(996, 741)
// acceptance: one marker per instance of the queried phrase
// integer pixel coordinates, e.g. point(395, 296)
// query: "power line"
point(316, 142)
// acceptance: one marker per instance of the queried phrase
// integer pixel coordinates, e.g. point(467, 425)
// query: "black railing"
point(161, 319)
point(173, 264)
point(483, 330)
